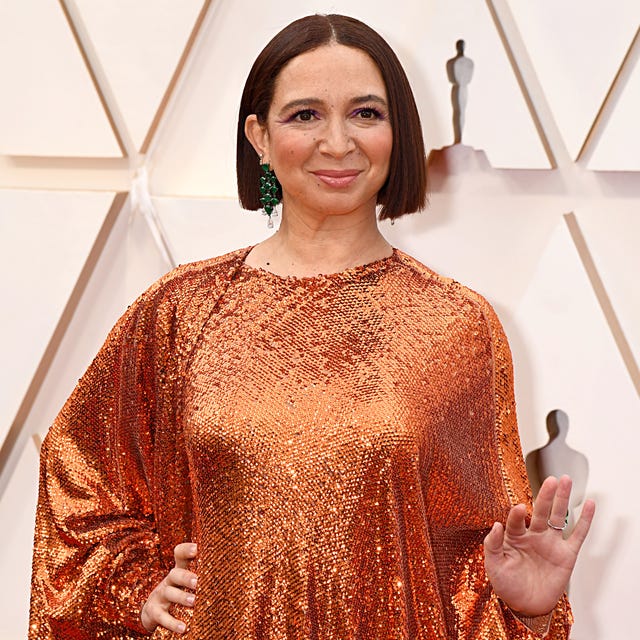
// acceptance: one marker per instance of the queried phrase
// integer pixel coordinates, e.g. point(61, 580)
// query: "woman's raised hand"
point(529, 567)
point(172, 590)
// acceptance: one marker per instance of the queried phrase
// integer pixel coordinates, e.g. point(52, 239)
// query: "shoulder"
point(188, 283)
point(442, 286)
point(184, 293)
point(463, 307)
point(195, 275)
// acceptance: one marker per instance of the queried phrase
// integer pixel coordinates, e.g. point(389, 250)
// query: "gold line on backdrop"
point(603, 299)
point(610, 101)
point(14, 440)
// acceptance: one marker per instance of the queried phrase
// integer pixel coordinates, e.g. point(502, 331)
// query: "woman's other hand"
point(172, 590)
point(529, 567)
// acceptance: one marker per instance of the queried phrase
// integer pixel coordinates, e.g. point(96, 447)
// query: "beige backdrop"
point(96, 93)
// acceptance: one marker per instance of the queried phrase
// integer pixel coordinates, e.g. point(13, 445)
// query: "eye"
point(305, 115)
point(369, 113)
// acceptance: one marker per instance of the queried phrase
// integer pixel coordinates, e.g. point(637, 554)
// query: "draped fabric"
point(338, 446)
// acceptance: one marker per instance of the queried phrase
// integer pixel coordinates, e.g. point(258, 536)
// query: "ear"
point(258, 136)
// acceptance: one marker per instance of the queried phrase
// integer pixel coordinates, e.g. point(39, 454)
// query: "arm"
point(115, 497)
point(97, 552)
point(484, 478)
point(528, 562)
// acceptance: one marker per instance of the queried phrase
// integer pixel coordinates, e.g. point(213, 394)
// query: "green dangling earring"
point(268, 192)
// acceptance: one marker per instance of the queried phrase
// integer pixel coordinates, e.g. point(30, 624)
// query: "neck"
point(307, 247)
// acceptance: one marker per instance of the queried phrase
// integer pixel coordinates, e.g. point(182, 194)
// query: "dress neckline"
point(350, 274)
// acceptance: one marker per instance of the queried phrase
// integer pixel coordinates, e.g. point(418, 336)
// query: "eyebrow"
point(306, 102)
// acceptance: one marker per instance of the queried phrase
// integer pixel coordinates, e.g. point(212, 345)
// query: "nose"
point(336, 140)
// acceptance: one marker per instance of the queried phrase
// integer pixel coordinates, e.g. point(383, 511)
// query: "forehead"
point(328, 70)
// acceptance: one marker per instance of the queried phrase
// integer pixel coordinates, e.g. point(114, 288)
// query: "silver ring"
point(556, 527)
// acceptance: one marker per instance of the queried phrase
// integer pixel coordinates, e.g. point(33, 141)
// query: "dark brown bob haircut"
point(405, 189)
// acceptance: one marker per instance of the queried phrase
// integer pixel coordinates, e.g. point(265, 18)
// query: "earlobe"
point(257, 135)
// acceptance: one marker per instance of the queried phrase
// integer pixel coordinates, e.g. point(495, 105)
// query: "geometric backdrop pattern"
point(117, 133)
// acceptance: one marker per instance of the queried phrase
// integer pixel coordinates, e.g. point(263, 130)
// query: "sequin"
point(338, 446)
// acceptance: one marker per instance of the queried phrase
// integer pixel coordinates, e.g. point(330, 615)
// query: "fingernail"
point(194, 582)
point(194, 549)
point(182, 627)
point(191, 599)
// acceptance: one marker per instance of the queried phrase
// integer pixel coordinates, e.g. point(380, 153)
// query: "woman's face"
point(328, 136)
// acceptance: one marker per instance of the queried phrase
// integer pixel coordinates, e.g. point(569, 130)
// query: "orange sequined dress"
point(338, 447)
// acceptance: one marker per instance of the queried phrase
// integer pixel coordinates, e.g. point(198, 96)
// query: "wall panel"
point(542, 75)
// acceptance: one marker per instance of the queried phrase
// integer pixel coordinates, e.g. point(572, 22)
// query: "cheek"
point(379, 146)
point(293, 148)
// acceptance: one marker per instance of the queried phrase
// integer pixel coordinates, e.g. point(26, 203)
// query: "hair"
point(405, 189)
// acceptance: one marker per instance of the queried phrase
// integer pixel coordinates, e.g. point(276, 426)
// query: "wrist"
point(539, 624)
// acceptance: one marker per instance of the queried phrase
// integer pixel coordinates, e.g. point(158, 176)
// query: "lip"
point(337, 178)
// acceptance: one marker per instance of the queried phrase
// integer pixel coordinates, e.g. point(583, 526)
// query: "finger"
point(184, 553)
point(517, 521)
point(543, 504)
point(182, 578)
point(156, 613)
point(174, 595)
point(583, 525)
point(560, 508)
point(493, 542)
point(166, 620)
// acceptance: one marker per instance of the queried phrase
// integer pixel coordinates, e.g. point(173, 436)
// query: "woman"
point(317, 433)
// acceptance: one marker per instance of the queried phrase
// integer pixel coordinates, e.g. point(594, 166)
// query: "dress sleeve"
point(97, 550)
point(515, 476)
point(485, 476)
